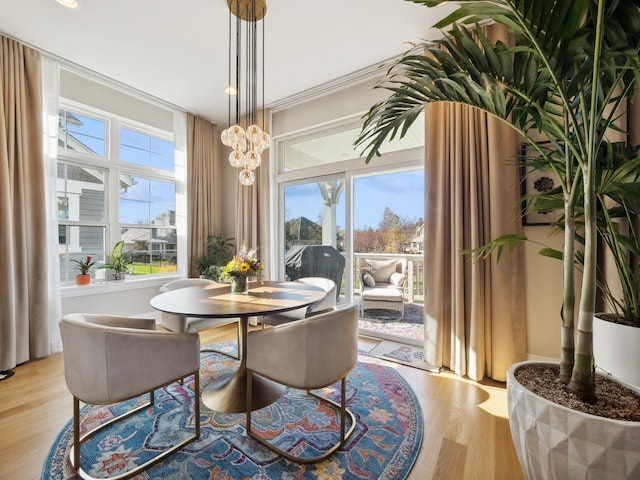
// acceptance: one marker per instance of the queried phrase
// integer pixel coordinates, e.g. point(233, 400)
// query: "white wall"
point(91, 92)
point(544, 294)
point(343, 103)
point(130, 298)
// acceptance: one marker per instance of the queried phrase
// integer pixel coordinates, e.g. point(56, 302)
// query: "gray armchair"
point(328, 302)
point(308, 354)
point(184, 324)
point(109, 359)
point(382, 283)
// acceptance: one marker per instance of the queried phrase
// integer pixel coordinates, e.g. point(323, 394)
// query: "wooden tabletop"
point(216, 300)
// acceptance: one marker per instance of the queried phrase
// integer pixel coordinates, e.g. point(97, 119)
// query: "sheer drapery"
point(50, 95)
point(203, 204)
point(24, 295)
point(474, 311)
point(180, 162)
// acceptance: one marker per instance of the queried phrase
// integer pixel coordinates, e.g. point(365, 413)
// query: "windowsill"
point(108, 287)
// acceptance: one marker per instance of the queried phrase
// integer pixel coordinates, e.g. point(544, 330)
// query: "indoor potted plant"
point(571, 67)
point(617, 334)
point(617, 328)
point(84, 267)
point(220, 251)
point(117, 266)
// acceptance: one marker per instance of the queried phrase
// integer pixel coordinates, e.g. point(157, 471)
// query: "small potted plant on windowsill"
point(118, 267)
point(84, 267)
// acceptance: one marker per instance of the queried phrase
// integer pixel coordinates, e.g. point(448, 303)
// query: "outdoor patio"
point(387, 324)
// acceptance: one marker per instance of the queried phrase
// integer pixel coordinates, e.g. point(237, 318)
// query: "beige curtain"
point(252, 216)
point(474, 311)
point(203, 176)
point(24, 326)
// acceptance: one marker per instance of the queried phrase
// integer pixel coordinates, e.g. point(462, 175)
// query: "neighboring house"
point(417, 242)
point(162, 242)
point(302, 231)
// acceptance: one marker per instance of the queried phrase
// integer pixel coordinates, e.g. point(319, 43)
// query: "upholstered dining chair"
point(328, 302)
point(184, 324)
point(382, 283)
point(109, 359)
point(308, 354)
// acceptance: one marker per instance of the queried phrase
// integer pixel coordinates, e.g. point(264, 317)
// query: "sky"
point(402, 192)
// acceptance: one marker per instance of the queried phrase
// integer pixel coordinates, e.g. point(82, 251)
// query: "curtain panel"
point(24, 296)
point(203, 176)
point(252, 215)
point(474, 311)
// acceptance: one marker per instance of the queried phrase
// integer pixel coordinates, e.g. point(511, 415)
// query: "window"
point(115, 182)
point(329, 196)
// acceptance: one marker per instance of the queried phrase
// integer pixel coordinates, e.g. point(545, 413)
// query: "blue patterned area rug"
point(384, 445)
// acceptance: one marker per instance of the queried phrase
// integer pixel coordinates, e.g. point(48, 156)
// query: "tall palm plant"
point(570, 67)
point(617, 180)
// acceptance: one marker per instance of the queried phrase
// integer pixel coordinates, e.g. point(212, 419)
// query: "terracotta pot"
point(554, 442)
point(83, 279)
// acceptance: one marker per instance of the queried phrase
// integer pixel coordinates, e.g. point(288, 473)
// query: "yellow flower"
point(244, 267)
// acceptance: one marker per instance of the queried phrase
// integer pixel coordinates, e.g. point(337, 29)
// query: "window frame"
point(114, 167)
point(350, 169)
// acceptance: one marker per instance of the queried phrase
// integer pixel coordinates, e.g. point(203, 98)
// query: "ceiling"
point(177, 51)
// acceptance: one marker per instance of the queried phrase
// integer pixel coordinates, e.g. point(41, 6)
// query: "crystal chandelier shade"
point(247, 144)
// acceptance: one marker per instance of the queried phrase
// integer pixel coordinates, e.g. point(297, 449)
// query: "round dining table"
point(228, 393)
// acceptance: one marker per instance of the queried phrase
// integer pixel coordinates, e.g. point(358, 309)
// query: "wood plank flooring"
point(466, 431)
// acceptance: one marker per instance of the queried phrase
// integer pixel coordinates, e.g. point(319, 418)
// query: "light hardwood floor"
point(466, 431)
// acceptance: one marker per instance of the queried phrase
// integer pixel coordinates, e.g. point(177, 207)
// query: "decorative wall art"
point(535, 181)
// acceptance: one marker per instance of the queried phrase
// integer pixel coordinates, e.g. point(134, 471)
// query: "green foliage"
point(84, 264)
point(117, 262)
point(571, 66)
point(393, 234)
point(220, 250)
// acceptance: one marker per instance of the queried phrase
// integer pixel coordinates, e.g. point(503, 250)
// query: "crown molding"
point(340, 83)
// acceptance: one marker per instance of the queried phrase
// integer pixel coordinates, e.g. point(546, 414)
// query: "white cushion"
point(388, 294)
point(397, 279)
point(381, 270)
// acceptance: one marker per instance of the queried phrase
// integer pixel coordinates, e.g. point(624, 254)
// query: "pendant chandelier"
point(250, 141)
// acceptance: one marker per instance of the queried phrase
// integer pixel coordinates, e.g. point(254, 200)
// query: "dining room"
point(117, 163)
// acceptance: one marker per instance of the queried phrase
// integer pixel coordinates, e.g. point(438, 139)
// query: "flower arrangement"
point(84, 265)
point(244, 264)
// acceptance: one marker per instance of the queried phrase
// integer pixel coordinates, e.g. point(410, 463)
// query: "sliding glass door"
point(314, 229)
point(334, 209)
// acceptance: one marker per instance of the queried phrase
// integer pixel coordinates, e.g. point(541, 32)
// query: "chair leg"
point(249, 399)
point(76, 433)
point(339, 407)
point(78, 440)
point(343, 409)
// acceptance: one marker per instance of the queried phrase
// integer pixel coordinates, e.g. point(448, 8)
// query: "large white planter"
point(556, 443)
point(616, 349)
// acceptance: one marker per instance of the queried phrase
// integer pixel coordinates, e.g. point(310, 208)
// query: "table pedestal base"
point(228, 394)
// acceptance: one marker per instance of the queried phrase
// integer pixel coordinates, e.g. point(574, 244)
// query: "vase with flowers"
point(239, 269)
point(84, 267)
